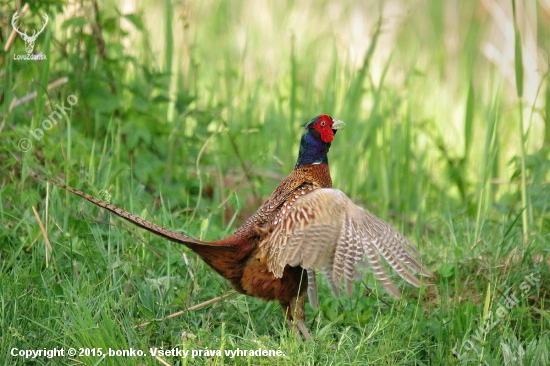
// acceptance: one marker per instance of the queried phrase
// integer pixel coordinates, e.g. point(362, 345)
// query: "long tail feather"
point(136, 220)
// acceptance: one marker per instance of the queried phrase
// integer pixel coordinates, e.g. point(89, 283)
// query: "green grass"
point(192, 115)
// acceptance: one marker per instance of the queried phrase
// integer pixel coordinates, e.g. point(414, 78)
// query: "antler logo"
point(29, 40)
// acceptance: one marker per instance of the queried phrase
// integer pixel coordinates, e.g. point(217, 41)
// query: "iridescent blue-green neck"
point(312, 151)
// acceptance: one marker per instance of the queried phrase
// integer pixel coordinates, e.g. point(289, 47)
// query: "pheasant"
point(304, 226)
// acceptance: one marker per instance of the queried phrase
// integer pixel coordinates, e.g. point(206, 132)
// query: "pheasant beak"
point(337, 124)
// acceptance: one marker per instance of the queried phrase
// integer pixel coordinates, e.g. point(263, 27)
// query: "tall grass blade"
point(518, 57)
point(294, 79)
point(356, 90)
point(468, 121)
point(546, 142)
point(518, 62)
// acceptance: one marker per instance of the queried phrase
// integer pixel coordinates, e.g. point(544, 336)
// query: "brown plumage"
point(304, 226)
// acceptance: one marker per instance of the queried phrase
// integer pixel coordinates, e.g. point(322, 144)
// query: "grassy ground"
point(189, 114)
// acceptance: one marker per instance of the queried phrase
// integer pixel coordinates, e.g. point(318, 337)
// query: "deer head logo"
point(29, 40)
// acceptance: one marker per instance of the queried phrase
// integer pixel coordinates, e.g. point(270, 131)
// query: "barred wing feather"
point(325, 230)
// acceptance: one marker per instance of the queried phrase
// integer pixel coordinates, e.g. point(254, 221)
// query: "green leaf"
point(75, 22)
point(135, 20)
point(446, 270)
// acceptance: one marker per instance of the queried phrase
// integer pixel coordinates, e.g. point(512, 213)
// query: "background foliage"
point(189, 113)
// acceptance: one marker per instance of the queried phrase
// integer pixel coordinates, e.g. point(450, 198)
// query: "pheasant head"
point(316, 139)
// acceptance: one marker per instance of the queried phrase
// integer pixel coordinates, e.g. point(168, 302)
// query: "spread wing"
point(325, 230)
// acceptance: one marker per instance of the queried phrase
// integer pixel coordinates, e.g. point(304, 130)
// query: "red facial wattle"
point(324, 126)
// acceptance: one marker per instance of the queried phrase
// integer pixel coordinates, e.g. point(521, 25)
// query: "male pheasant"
point(304, 226)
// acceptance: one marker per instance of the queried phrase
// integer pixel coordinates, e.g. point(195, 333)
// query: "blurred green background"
point(188, 113)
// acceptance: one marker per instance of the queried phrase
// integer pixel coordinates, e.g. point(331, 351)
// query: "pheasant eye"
point(323, 123)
